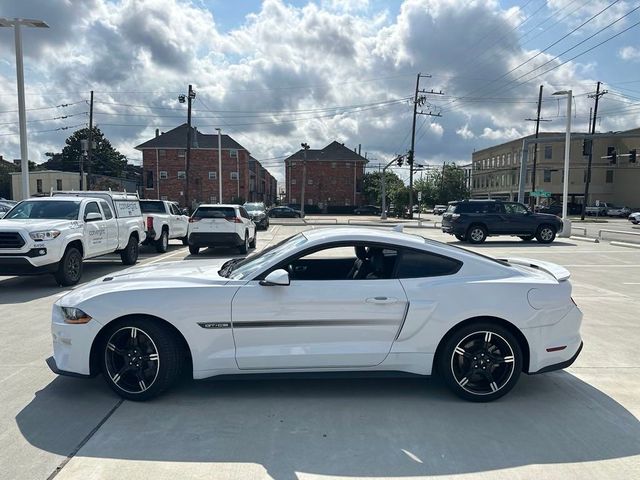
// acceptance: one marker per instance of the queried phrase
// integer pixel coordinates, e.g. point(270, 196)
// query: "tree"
point(372, 186)
point(450, 184)
point(105, 160)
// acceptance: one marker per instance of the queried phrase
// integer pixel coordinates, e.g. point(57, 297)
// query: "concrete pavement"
point(579, 423)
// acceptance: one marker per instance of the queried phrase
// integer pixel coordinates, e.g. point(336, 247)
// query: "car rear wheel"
point(129, 255)
point(244, 248)
point(193, 250)
point(527, 238)
point(480, 362)
point(252, 243)
point(546, 234)
point(162, 244)
point(476, 234)
point(141, 358)
point(70, 268)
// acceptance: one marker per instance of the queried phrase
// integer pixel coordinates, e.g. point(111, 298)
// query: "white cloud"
point(629, 53)
point(465, 133)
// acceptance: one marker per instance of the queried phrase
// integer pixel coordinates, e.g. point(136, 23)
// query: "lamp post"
point(219, 165)
point(566, 223)
point(305, 147)
point(17, 24)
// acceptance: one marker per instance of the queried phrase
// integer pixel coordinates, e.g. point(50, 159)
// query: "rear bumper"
point(453, 229)
point(215, 239)
point(560, 365)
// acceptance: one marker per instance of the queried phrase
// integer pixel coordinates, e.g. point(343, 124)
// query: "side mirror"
point(185, 211)
point(92, 217)
point(278, 277)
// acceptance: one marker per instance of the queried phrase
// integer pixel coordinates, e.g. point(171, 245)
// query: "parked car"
point(439, 209)
point(599, 210)
point(5, 207)
point(367, 210)
point(390, 302)
point(634, 218)
point(613, 211)
point(553, 209)
point(55, 234)
point(163, 220)
point(475, 220)
point(221, 226)
point(258, 213)
point(284, 212)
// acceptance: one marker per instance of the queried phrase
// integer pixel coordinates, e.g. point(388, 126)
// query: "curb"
point(624, 244)
point(585, 239)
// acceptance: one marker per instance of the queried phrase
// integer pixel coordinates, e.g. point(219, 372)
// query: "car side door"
point(519, 219)
point(179, 222)
point(111, 225)
point(95, 231)
point(328, 316)
point(247, 223)
point(496, 218)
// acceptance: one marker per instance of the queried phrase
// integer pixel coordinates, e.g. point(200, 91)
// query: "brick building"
point(334, 178)
point(164, 169)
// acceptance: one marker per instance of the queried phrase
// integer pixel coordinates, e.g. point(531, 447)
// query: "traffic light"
point(612, 155)
point(400, 161)
point(632, 156)
point(586, 147)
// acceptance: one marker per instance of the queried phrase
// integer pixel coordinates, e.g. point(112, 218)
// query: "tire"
point(162, 244)
point(69, 268)
point(527, 238)
point(476, 234)
point(129, 255)
point(252, 243)
point(244, 248)
point(193, 250)
point(140, 358)
point(489, 365)
point(461, 237)
point(185, 241)
point(546, 234)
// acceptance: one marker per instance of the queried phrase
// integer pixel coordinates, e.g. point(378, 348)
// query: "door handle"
point(382, 300)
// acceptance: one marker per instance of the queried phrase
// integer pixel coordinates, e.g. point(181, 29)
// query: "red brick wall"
point(201, 189)
point(332, 182)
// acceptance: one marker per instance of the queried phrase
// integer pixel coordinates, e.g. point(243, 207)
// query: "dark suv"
point(475, 220)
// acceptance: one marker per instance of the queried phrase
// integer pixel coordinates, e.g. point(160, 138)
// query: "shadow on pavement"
point(512, 243)
point(346, 427)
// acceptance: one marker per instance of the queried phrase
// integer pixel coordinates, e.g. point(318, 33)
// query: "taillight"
point(149, 223)
point(194, 219)
point(233, 219)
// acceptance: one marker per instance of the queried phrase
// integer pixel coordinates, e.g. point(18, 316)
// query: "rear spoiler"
point(556, 271)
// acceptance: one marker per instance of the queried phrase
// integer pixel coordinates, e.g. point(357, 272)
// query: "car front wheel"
point(141, 358)
point(480, 362)
point(546, 234)
point(70, 268)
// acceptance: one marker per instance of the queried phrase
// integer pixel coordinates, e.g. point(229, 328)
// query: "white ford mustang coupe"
point(326, 300)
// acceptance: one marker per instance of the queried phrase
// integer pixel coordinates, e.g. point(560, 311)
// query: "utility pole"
point(592, 126)
point(90, 146)
point(383, 180)
point(305, 147)
point(219, 165)
point(417, 101)
point(189, 98)
point(535, 150)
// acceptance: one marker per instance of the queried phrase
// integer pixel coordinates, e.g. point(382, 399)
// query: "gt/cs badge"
point(214, 324)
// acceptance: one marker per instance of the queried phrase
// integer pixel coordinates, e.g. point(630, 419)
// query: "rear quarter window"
point(152, 207)
point(416, 264)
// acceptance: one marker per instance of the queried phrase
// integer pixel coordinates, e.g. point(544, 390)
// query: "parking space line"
point(166, 255)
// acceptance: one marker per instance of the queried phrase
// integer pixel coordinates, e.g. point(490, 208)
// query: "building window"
point(162, 153)
point(333, 181)
point(213, 175)
point(39, 185)
point(213, 199)
point(181, 153)
point(609, 178)
point(548, 152)
point(293, 200)
point(233, 153)
point(293, 181)
point(309, 201)
point(547, 174)
point(58, 184)
point(163, 197)
point(182, 175)
point(508, 159)
point(333, 164)
point(347, 202)
point(163, 175)
point(233, 175)
point(149, 183)
point(310, 181)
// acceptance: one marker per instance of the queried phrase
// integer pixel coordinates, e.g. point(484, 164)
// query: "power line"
point(62, 105)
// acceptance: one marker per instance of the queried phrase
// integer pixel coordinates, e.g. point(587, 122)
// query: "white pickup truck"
point(55, 234)
point(163, 221)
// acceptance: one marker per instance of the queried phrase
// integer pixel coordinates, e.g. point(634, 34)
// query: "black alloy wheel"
point(129, 255)
point(481, 362)
point(70, 268)
point(141, 359)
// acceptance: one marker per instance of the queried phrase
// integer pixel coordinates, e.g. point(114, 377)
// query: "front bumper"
point(24, 266)
point(215, 239)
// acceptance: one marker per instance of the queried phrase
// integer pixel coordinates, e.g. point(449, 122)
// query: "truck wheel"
point(70, 268)
point(185, 241)
point(129, 255)
point(162, 244)
point(244, 248)
point(193, 250)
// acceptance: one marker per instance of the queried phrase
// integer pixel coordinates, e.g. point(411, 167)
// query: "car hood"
point(546, 216)
point(34, 225)
point(159, 276)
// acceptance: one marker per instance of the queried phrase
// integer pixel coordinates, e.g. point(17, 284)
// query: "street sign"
point(597, 203)
point(540, 193)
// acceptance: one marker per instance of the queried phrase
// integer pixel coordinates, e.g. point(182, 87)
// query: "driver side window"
point(344, 262)
point(92, 207)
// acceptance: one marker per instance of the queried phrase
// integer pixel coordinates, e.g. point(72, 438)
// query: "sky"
point(274, 73)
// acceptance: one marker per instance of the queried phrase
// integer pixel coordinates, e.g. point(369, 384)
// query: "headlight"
point(74, 315)
point(44, 235)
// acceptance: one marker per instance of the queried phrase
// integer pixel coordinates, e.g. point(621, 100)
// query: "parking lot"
point(574, 424)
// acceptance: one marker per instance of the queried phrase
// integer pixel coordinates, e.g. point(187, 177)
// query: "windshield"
point(50, 209)
point(250, 265)
point(152, 207)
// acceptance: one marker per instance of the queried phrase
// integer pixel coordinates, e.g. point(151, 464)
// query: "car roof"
point(63, 198)
point(219, 205)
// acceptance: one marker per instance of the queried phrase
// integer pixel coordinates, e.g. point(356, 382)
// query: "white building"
point(41, 182)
